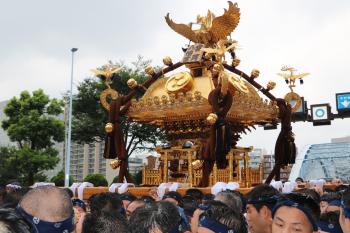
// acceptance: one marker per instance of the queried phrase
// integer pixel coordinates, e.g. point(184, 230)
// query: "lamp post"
point(68, 144)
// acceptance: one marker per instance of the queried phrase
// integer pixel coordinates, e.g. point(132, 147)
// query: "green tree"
point(96, 179)
point(90, 118)
point(33, 124)
point(59, 179)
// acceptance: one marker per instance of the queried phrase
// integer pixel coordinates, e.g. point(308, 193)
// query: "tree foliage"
point(59, 179)
point(90, 117)
point(33, 124)
point(96, 179)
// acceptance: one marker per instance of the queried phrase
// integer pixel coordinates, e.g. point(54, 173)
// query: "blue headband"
point(334, 202)
point(346, 210)
point(173, 196)
point(78, 202)
point(329, 227)
point(38, 225)
point(298, 206)
point(213, 225)
point(260, 200)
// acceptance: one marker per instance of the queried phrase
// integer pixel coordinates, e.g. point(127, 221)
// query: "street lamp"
point(68, 144)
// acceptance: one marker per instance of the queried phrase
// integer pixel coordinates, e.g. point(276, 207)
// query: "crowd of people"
point(264, 209)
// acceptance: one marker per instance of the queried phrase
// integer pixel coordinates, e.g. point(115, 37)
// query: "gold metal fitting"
point(197, 164)
point(255, 73)
point(167, 61)
point(109, 128)
point(115, 163)
point(132, 83)
point(236, 62)
point(270, 85)
point(149, 70)
point(212, 118)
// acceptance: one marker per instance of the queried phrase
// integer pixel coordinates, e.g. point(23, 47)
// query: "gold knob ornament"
point(236, 62)
point(270, 85)
point(255, 73)
point(115, 163)
point(167, 61)
point(212, 118)
point(132, 83)
point(150, 70)
point(109, 128)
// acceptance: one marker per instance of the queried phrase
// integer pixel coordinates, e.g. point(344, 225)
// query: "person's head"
point(221, 218)
point(47, 209)
point(260, 202)
point(173, 197)
point(329, 222)
point(11, 222)
point(104, 223)
point(127, 198)
point(327, 198)
point(344, 218)
point(341, 188)
point(147, 199)
point(133, 206)
point(70, 192)
point(195, 193)
point(13, 197)
point(189, 204)
point(207, 198)
point(295, 212)
point(156, 217)
point(299, 180)
point(310, 192)
point(231, 199)
point(106, 203)
point(79, 205)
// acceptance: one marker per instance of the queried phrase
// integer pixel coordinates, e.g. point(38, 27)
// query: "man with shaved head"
point(48, 209)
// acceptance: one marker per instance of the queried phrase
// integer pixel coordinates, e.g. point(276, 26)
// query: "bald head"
point(48, 203)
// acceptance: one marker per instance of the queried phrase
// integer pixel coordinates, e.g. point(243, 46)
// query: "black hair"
point(195, 193)
point(341, 188)
point(189, 204)
point(147, 199)
point(231, 199)
point(127, 196)
point(175, 195)
point(331, 196)
point(160, 215)
point(331, 217)
point(12, 222)
point(307, 201)
point(13, 197)
point(106, 203)
point(310, 192)
point(207, 198)
point(70, 192)
point(299, 179)
point(227, 216)
point(263, 191)
point(346, 198)
point(104, 223)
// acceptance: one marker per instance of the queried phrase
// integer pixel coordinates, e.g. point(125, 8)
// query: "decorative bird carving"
point(291, 77)
point(219, 28)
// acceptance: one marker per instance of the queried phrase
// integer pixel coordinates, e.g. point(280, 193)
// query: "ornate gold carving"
point(237, 83)
point(294, 100)
point(181, 82)
point(103, 97)
point(220, 27)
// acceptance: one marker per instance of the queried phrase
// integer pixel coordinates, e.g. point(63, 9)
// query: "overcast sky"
point(313, 36)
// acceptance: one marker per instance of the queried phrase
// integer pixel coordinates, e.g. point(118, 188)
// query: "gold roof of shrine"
point(182, 97)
